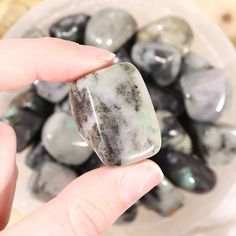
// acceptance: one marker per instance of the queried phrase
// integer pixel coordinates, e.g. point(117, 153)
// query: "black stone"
point(186, 171)
point(129, 215)
point(70, 28)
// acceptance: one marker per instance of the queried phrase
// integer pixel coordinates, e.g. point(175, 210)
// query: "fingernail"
point(139, 180)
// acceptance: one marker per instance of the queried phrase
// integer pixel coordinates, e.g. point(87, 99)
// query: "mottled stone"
point(186, 171)
point(169, 100)
point(33, 33)
point(165, 199)
point(114, 113)
point(50, 179)
point(70, 28)
point(29, 100)
point(205, 94)
point(217, 143)
point(192, 62)
point(129, 215)
point(37, 156)
point(26, 124)
point(170, 30)
point(61, 139)
point(110, 29)
point(163, 62)
point(53, 92)
point(172, 133)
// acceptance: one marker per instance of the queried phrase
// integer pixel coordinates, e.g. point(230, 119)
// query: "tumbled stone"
point(29, 100)
point(186, 171)
point(50, 179)
point(37, 156)
point(70, 28)
point(114, 113)
point(217, 143)
point(122, 56)
point(193, 63)
point(26, 124)
point(162, 61)
point(63, 106)
point(170, 30)
point(205, 94)
point(33, 33)
point(169, 100)
point(172, 133)
point(110, 29)
point(52, 92)
point(129, 215)
point(165, 199)
point(61, 139)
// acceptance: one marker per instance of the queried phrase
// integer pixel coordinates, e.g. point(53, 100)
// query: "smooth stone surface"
point(62, 140)
point(129, 215)
point(192, 62)
point(166, 99)
point(26, 124)
point(52, 92)
point(110, 29)
point(34, 33)
point(63, 106)
point(170, 30)
point(114, 113)
point(172, 133)
point(162, 61)
point(50, 179)
point(70, 28)
point(29, 100)
point(37, 156)
point(186, 171)
point(205, 94)
point(217, 143)
point(122, 56)
point(165, 199)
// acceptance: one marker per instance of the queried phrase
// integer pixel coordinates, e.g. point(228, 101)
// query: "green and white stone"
point(110, 29)
point(61, 139)
point(170, 30)
point(114, 113)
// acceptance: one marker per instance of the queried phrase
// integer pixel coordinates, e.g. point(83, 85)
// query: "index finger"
point(22, 61)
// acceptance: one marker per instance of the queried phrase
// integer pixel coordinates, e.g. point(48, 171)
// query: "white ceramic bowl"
point(200, 211)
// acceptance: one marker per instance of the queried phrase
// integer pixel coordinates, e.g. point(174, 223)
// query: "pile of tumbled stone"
point(188, 94)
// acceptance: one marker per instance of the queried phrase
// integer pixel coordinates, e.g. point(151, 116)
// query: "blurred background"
point(223, 13)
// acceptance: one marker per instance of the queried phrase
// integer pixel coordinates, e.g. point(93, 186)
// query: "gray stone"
point(161, 61)
point(114, 113)
point(33, 33)
point(110, 29)
point(62, 140)
point(170, 30)
point(205, 94)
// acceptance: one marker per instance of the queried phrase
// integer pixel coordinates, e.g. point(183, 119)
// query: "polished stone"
point(110, 29)
point(129, 215)
point(62, 140)
point(114, 113)
point(192, 62)
point(70, 28)
point(50, 179)
point(63, 106)
point(163, 62)
point(170, 30)
point(26, 124)
point(205, 94)
point(122, 55)
point(217, 143)
point(186, 171)
point(29, 100)
point(37, 156)
point(52, 92)
point(165, 199)
point(172, 133)
point(33, 33)
point(169, 100)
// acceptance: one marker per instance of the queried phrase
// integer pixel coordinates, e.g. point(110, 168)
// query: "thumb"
point(92, 203)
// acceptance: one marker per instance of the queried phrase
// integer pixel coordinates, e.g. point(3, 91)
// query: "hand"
point(90, 204)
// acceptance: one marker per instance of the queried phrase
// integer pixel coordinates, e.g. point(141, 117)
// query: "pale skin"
point(94, 201)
